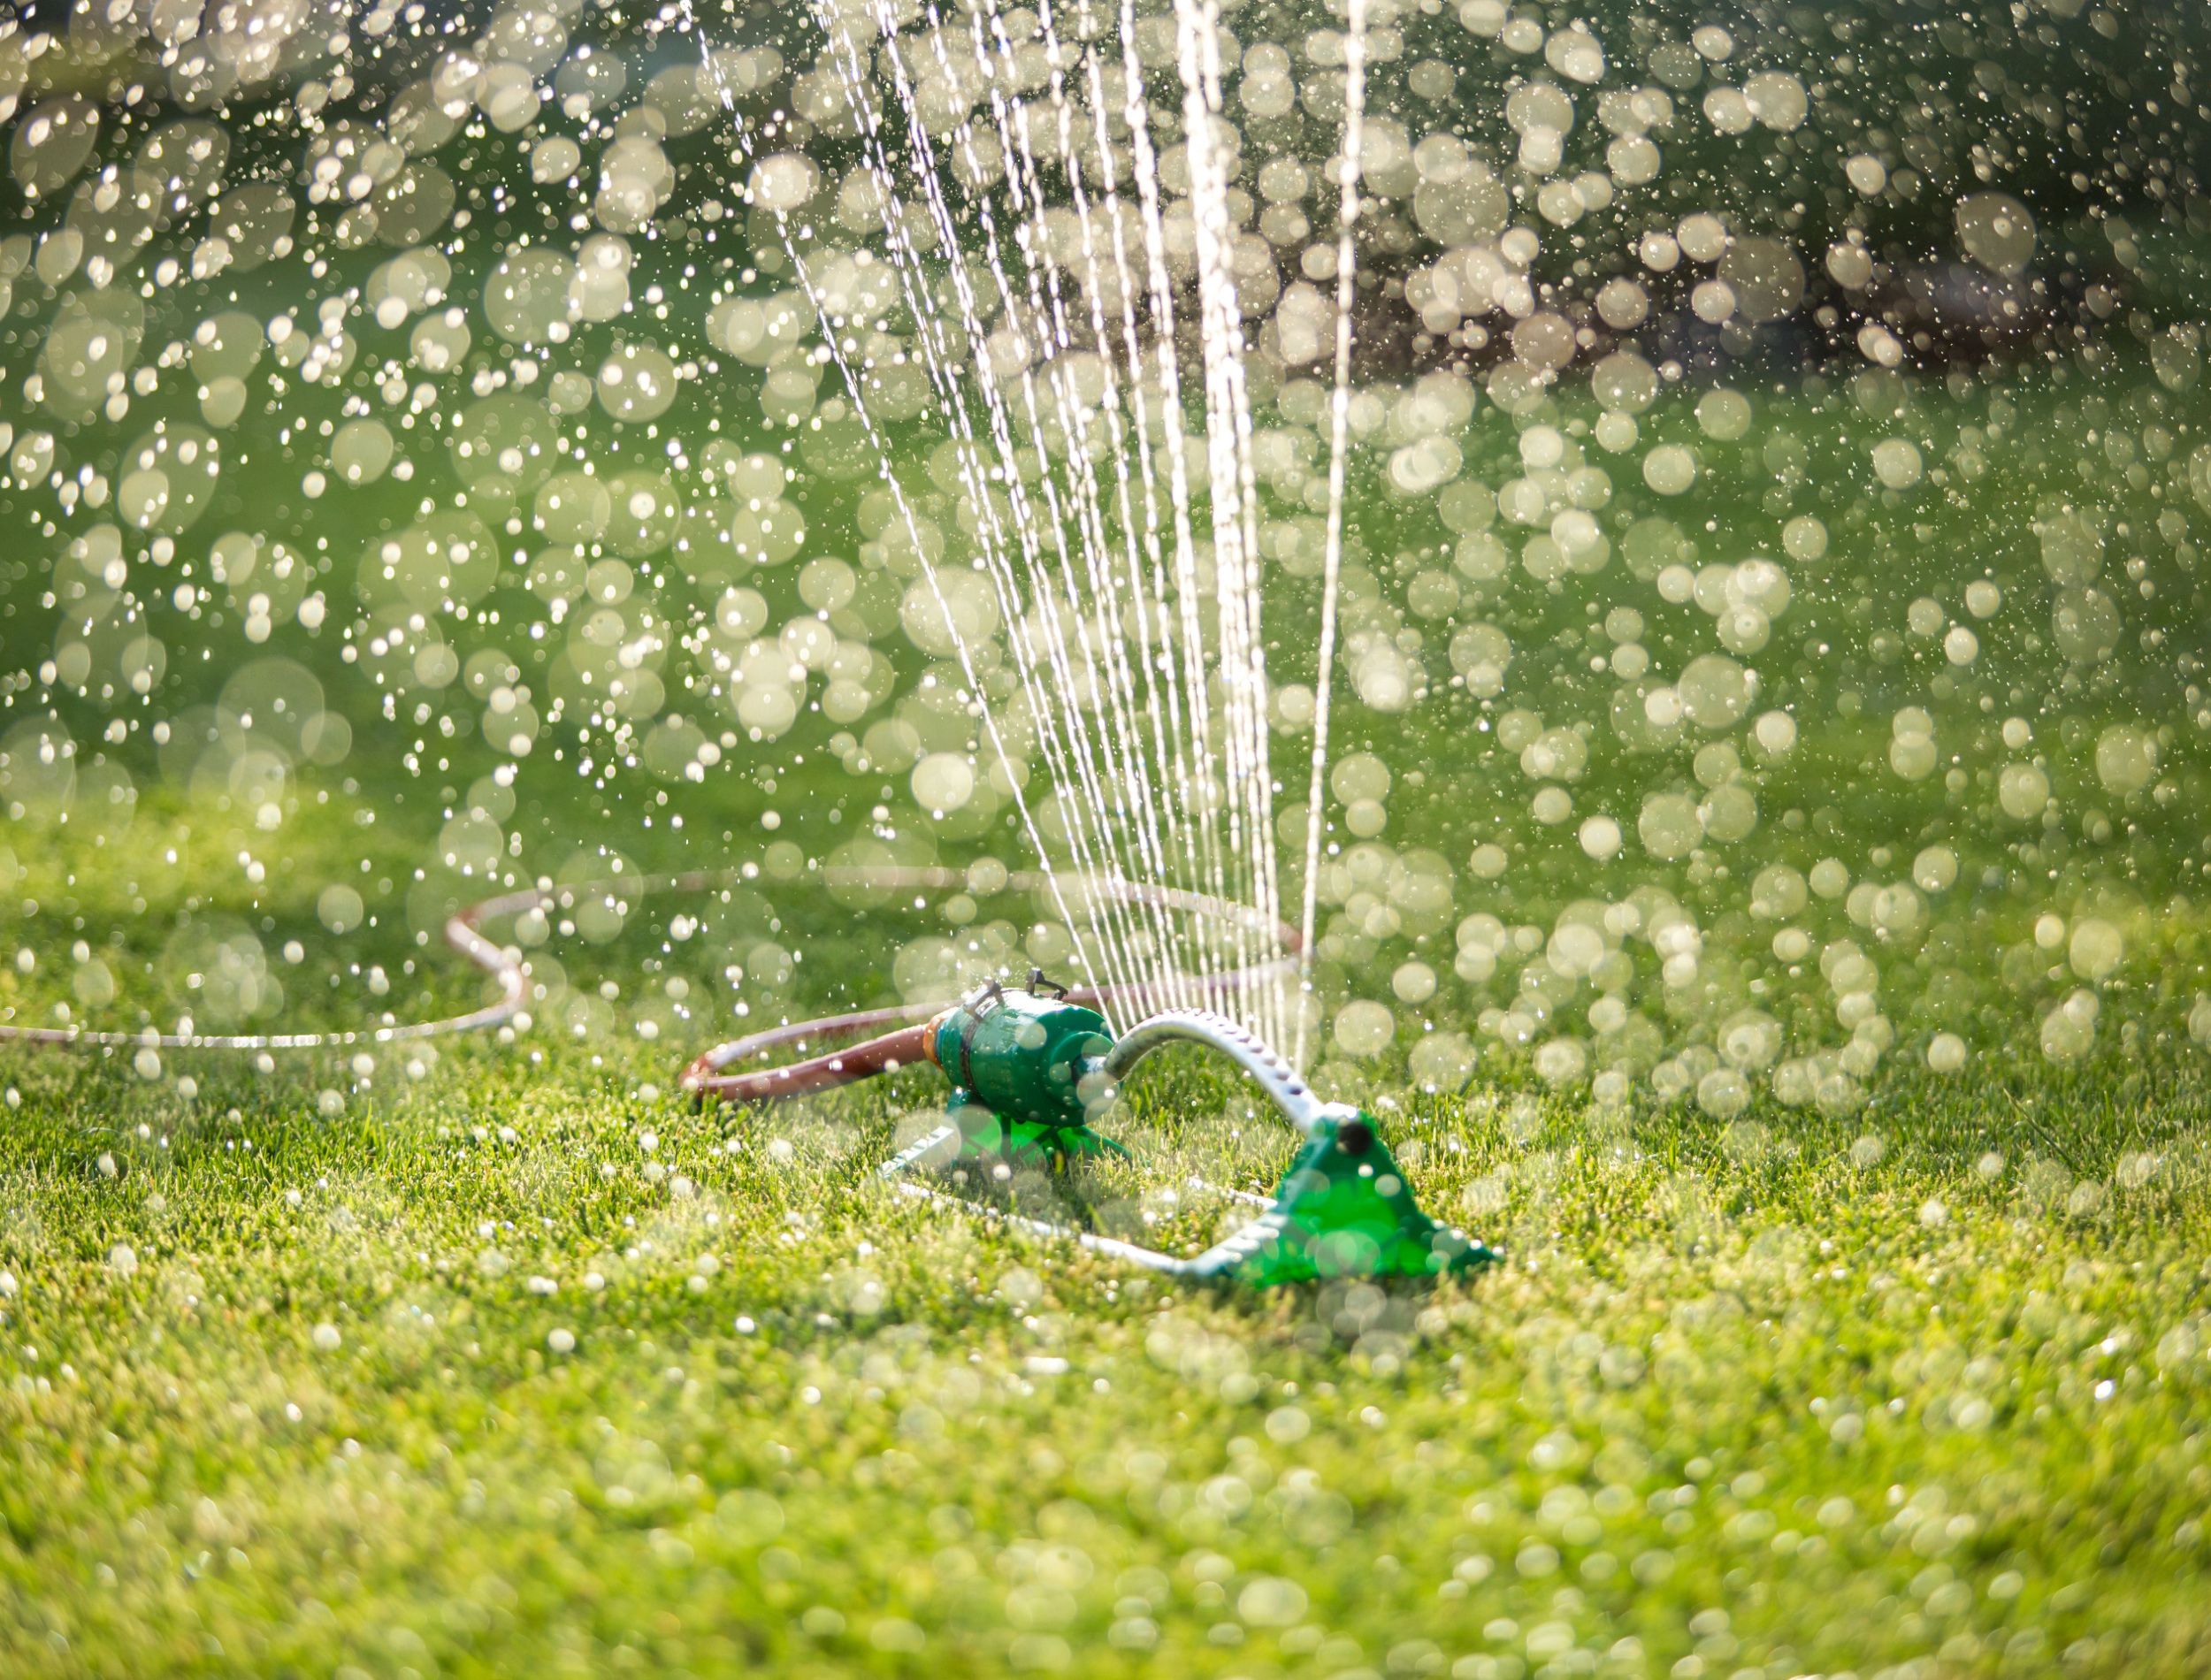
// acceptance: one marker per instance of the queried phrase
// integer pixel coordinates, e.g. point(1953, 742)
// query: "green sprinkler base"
point(988, 1138)
point(1343, 1211)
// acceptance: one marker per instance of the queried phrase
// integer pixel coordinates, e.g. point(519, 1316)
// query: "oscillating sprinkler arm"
point(1344, 1208)
point(1292, 1098)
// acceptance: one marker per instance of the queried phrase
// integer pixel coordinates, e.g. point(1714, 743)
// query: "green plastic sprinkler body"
point(1028, 1073)
point(1030, 1070)
point(1344, 1210)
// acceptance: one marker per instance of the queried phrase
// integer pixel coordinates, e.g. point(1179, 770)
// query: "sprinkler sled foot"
point(1343, 1211)
point(988, 1137)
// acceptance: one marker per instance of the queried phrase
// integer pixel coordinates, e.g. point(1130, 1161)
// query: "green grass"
point(1917, 1388)
point(498, 1359)
point(1799, 1394)
point(491, 1357)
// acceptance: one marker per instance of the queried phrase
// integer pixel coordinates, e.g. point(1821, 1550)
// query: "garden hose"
point(710, 1076)
point(461, 933)
point(506, 968)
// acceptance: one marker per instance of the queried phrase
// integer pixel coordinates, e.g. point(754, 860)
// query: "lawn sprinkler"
point(1033, 1068)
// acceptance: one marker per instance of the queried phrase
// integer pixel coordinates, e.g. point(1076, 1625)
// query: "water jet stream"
point(1179, 801)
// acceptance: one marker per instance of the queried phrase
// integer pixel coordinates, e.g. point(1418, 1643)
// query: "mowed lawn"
point(522, 1365)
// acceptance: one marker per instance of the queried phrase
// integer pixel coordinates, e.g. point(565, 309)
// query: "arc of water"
point(1145, 173)
point(1083, 801)
point(1228, 433)
point(1083, 488)
point(1017, 136)
point(1101, 640)
point(1230, 470)
point(1111, 817)
point(1083, 955)
point(1152, 617)
point(1150, 614)
point(1047, 336)
point(1339, 425)
point(1199, 837)
point(1236, 629)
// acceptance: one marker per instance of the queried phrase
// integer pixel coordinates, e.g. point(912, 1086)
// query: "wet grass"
point(489, 1357)
point(516, 1366)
